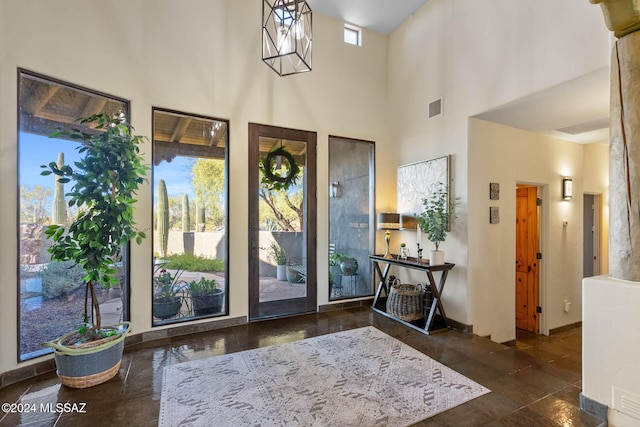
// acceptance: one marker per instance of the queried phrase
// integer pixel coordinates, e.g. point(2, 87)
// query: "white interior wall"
point(610, 346)
point(205, 59)
point(509, 156)
point(478, 56)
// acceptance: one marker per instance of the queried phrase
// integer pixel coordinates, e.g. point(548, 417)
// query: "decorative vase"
point(349, 267)
point(404, 253)
point(208, 304)
point(281, 272)
point(163, 309)
point(436, 258)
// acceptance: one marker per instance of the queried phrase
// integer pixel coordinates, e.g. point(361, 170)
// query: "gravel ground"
point(53, 319)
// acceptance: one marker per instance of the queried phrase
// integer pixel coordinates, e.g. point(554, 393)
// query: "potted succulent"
point(166, 301)
point(277, 255)
point(104, 182)
point(434, 220)
point(206, 297)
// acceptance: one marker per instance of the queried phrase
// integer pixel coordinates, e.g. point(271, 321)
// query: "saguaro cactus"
point(59, 211)
point(199, 215)
point(163, 217)
point(186, 221)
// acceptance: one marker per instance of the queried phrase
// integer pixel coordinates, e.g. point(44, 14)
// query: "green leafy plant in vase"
point(167, 301)
point(206, 297)
point(104, 183)
point(434, 219)
point(277, 255)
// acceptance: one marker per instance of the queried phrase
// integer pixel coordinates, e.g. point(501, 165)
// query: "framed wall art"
point(417, 181)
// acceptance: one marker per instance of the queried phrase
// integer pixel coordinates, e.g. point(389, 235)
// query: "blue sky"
point(176, 175)
point(36, 150)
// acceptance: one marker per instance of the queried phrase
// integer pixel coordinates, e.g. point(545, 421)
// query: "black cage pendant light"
point(286, 36)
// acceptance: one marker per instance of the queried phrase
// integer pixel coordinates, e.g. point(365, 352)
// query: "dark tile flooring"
point(534, 383)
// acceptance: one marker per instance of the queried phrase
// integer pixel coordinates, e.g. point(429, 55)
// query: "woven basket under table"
point(405, 302)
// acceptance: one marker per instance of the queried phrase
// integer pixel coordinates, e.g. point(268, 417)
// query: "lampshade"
point(287, 36)
point(388, 221)
point(408, 222)
point(567, 188)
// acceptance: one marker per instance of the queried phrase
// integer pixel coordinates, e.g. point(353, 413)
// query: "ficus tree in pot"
point(104, 182)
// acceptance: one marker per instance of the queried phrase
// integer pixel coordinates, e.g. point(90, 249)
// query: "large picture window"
point(351, 217)
point(51, 294)
point(190, 217)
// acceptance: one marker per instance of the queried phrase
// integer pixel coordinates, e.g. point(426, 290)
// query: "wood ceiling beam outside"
point(93, 106)
point(37, 104)
point(181, 128)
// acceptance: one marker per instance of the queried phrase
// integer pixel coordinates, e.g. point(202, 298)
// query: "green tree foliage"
point(105, 182)
point(208, 182)
point(281, 210)
point(34, 204)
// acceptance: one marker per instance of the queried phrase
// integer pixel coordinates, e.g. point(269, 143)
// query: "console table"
point(424, 325)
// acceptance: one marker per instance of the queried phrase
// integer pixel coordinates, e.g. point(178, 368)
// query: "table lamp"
point(388, 221)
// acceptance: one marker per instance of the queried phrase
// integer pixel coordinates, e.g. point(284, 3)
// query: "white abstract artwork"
point(417, 181)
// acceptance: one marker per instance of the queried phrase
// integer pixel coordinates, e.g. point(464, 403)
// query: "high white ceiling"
point(381, 16)
point(580, 107)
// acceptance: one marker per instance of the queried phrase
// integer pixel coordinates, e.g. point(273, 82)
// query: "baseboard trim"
point(132, 342)
point(565, 328)
point(346, 304)
point(155, 335)
point(27, 372)
point(593, 407)
point(463, 327)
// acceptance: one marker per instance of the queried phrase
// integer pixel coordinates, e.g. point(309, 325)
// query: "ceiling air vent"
point(435, 108)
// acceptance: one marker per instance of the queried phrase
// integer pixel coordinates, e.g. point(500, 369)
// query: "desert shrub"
point(191, 262)
point(60, 279)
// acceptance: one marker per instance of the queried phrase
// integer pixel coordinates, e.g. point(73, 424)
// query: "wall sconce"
point(567, 188)
point(334, 189)
point(388, 221)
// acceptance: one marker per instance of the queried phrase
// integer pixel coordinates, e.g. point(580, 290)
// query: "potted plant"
point(434, 220)
point(104, 183)
point(206, 297)
point(166, 301)
point(277, 255)
point(335, 259)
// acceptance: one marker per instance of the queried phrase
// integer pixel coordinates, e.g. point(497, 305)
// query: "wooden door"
point(527, 264)
point(286, 217)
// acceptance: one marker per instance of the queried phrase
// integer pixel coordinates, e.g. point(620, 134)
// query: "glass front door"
point(282, 221)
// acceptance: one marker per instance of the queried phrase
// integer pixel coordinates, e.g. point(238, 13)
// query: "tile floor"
point(534, 383)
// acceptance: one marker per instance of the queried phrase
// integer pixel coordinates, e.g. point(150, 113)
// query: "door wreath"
point(272, 178)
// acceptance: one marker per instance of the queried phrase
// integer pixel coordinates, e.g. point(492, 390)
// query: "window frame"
point(352, 29)
point(25, 73)
point(172, 321)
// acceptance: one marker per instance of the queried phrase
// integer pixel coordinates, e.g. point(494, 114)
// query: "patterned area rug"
point(361, 377)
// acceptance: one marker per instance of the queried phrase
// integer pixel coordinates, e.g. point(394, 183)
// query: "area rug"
point(360, 377)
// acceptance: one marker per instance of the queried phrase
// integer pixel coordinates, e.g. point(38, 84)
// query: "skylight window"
point(352, 35)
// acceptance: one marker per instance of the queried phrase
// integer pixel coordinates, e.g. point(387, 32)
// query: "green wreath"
point(273, 180)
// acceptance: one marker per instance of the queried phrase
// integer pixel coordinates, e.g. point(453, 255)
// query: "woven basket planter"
point(91, 363)
point(405, 302)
